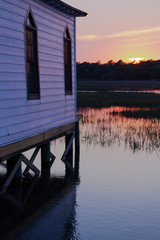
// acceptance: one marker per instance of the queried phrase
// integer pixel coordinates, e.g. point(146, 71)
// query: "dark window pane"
point(67, 63)
point(31, 60)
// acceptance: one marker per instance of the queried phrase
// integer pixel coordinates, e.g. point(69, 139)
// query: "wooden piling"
point(77, 149)
point(45, 164)
point(69, 155)
point(11, 164)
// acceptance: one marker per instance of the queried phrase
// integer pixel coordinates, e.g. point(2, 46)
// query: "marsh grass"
point(104, 96)
point(145, 114)
point(107, 127)
point(142, 113)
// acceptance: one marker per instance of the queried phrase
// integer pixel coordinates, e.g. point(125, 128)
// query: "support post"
point(10, 165)
point(69, 155)
point(45, 164)
point(77, 149)
point(14, 178)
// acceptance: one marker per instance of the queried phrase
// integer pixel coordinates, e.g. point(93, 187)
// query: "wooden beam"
point(67, 156)
point(30, 165)
point(52, 157)
point(77, 150)
point(69, 144)
point(31, 160)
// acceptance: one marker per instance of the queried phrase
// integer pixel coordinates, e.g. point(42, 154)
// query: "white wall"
point(21, 118)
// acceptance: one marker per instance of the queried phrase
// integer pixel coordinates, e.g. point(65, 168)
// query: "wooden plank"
point(52, 157)
point(35, 118)
point(50, 57)
point(12, 42)
point(31, 160)
point(68, 166)
point(58, 131)
point(21, 110)
point(9, 60)
point(12, 94)
point(30, 165)
point(69, 143)
point(21, 146)
point(9, 24)
point(9, 76)
point(12, 85)
point(12, 68)
point(3, 132)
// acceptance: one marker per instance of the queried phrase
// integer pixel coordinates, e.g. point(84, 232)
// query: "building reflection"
point(49, 213)
point(108, 127)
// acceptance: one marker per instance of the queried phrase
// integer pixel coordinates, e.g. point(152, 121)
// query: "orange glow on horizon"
point(136, 60)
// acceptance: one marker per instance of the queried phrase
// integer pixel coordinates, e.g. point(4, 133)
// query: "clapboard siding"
point(38, 116)
point(4, 40)
point(34, 124)
point(10, 25)
point(31, 109)
point(29, 133)
point(12, 68)
point(16, 94)
point(12, 85)
point(9, 76)
point(16, 102)
point(41, 11)
point(11, 59)
point(41, 7)
point(7, 50)
point(3, 132)
point(21, 118)
point(22, 85)
point(19, 102)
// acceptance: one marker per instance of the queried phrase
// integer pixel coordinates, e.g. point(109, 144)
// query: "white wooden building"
point(37, 70)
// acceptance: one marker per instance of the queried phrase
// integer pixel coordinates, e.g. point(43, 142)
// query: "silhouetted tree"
point(145, 70)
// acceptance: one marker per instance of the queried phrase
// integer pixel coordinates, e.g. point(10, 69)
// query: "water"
point(117, 195)
point(157, 91)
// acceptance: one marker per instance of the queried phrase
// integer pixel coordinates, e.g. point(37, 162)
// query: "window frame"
point(34, 29)
point(68, 80)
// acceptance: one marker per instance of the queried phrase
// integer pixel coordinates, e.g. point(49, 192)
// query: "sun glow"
point(136, 60)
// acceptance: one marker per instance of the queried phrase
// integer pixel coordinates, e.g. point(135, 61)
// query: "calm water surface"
point(118, 194)
point(157, 91)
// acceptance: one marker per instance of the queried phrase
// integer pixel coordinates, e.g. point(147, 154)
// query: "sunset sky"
point(118, 29)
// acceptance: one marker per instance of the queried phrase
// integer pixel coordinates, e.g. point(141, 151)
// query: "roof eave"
point(64, 7)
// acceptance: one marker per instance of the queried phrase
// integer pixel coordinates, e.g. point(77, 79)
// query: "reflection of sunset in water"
point(106, 127)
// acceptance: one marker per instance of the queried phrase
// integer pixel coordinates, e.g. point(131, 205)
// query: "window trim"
point(32, 96)
point(68, 92)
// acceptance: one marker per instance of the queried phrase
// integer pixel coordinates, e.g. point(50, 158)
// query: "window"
point(31, 53)
point(67, 62)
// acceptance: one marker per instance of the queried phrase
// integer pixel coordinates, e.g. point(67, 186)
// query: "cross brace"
point(4, 189)
point(64, 156)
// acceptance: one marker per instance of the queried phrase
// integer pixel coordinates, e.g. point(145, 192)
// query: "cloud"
point(121, 34)
point(89, 37)
point(135, 32)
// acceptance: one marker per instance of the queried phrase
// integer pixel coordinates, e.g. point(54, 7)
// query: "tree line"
point(145, 70)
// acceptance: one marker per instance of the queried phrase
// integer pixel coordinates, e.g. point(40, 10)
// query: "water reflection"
point(49, 212)
point(56, 219)
point(107, 127)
